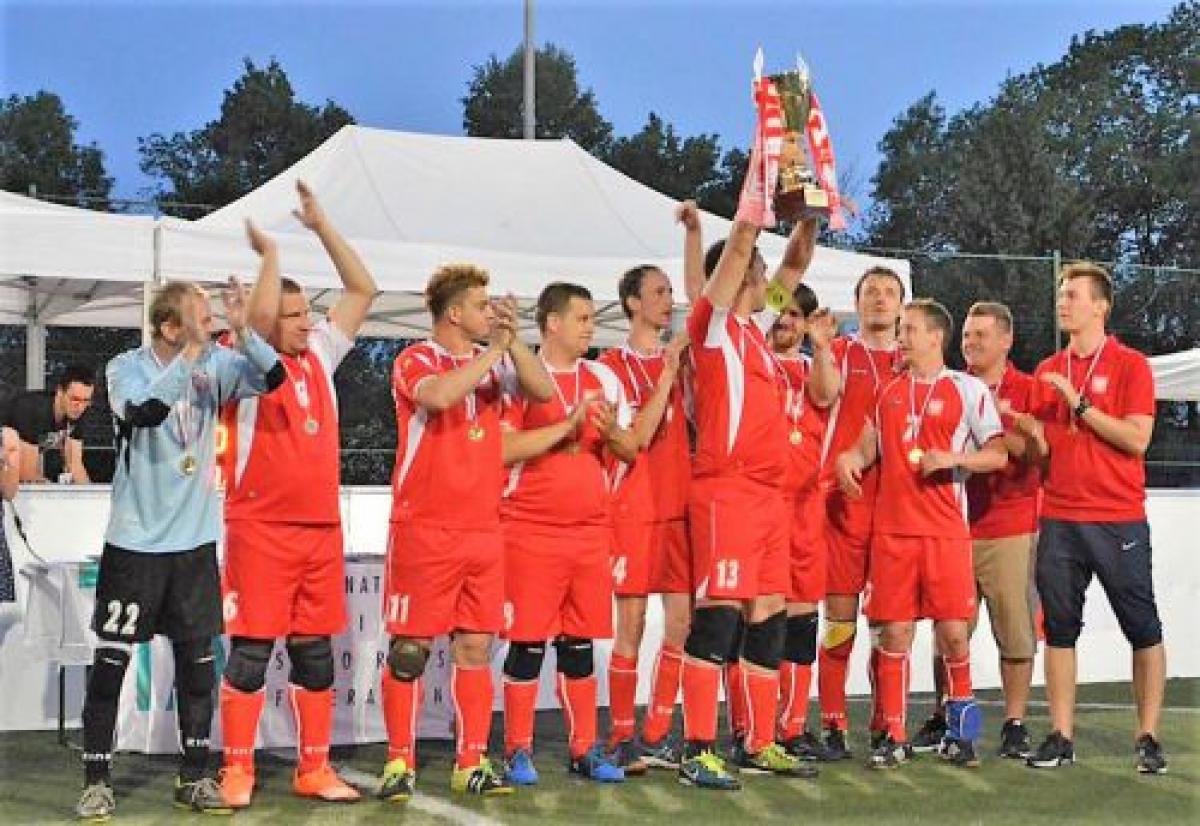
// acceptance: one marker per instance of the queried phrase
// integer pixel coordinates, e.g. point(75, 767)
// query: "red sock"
point(622, 693)
point(520, 704)
point(958, 679)
point(795, 683)
point(762, 694)
point(240, 711)
point(578, 701)
point(701, 683)
point(314, 726)
point(664, 690)
point(831, 683)
point(877, 723)
point(471, 689)
point(736, 703)
point(401, 705)
point(893, 699)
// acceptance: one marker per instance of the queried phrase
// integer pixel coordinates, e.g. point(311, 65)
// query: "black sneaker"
point(628, 756)
point(889, 754)
point(1150, 757)
point(876, 738)
point(930, 735)
point(806, 746)
point(1054, 751)
point(667, 753)
point(960, 753)
point(1015, 743)
point(835, 746)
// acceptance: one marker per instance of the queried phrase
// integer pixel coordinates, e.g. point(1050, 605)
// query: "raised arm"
point(825, 380)
point(264, 298)
point(688, 214)
point(730, 273)
point(797, 255)
point(648, 419)
point(251, 367)
point(358, 287)
point(10, 463)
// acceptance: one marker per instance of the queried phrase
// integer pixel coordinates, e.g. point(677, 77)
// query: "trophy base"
point(806, 201)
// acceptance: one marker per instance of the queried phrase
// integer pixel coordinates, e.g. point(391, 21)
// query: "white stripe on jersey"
point(247, 418)
point(412, 442)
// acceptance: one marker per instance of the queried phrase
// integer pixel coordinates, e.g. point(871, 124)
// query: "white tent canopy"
point(528, 211)
point(1177, 375)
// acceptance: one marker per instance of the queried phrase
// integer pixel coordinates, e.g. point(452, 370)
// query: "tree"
point(261, 131)
point(38, 149)
point(492, 107)
point(658, 158)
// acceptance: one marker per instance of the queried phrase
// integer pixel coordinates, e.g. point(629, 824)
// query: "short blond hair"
point(1101, 281)
point(449, 282)
point(167, 305)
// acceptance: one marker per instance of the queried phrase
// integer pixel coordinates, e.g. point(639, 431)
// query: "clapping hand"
point(688, 214)
point(260, 242)
point(310, 213)
point(504, 327)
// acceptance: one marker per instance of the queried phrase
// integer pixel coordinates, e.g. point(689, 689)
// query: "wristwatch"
point(1081, 407)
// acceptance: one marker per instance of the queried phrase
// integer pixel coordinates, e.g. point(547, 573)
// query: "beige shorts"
point(1004, 576)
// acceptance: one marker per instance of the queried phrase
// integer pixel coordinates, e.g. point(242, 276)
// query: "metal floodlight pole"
point(529, 112)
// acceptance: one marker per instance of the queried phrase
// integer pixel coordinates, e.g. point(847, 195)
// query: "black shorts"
point(1118, 553)
point(142, 594)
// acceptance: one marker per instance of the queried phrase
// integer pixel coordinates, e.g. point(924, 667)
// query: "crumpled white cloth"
point(57, 615)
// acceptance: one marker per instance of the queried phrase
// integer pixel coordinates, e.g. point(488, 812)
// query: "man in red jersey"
point(558, 534)
point(806, 418)
point(283, 574)
point(651, 552)
point(857, 366)
point(735, 505)
point(931, 426)
point(1092, 419)
point(445, 568)
point(1002, 508)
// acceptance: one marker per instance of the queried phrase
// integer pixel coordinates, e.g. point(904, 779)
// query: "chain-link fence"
point(1156, 311)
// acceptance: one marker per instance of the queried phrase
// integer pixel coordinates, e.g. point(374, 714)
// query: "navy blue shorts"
point(1118, 553)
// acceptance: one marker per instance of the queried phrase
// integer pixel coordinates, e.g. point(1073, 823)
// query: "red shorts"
point(920, 577)
point(650, 558)
point(808, 547)
point(556, 582)
point(443, 579)
point(847, 535)
point(739, 549)
point(282, 578)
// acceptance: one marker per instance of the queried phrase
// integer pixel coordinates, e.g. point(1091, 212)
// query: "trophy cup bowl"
point(798, 194)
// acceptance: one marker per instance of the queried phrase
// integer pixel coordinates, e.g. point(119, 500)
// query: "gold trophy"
point(798, 194)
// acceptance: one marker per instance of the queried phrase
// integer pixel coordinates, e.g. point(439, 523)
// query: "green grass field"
point(39, 783)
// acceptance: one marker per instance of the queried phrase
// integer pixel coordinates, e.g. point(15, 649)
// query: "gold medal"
point(475, 433)
point(914, 457)
point(188, 465)
point(311, 426)
point(795, 437)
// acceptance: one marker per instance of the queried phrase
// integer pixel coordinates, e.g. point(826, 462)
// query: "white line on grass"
point(1082, 706)
point(422, 802)
point(851, 778)
point(659, 799)
point(968, 777)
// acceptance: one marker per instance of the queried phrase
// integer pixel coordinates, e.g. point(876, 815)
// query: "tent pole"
point(148, 287)
point(35, 346)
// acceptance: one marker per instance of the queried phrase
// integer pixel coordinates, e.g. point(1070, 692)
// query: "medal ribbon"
point(915, 419)
point(1081, 389)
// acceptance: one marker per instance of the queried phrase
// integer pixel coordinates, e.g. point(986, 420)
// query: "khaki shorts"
point(1004, 575)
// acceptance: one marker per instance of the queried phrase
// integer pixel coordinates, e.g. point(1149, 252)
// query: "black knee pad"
point(800, 646)
point(764, 641)
point(524, 660)
point(714, 629)
point(195, 667)
point(312, 664)
point(108, 672)
point(406, 659)
point(246, 669)
point(575, 657)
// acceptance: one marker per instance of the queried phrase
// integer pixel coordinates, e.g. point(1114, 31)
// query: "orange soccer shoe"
point(324, 783)
point(237, 785)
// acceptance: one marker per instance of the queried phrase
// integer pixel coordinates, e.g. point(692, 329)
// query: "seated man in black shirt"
point(45, 421)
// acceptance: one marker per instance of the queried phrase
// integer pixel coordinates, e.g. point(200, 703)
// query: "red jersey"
point(954, 412)
point(278, 453)
point(738, 395)
point(1005, 503)
point(1089, 480)
point(654, 488)
point(805, 425)
point(864, 371)
point(448, 463)
point(569, 486)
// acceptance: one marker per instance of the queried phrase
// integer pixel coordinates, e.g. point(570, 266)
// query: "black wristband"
point(1081, 407)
